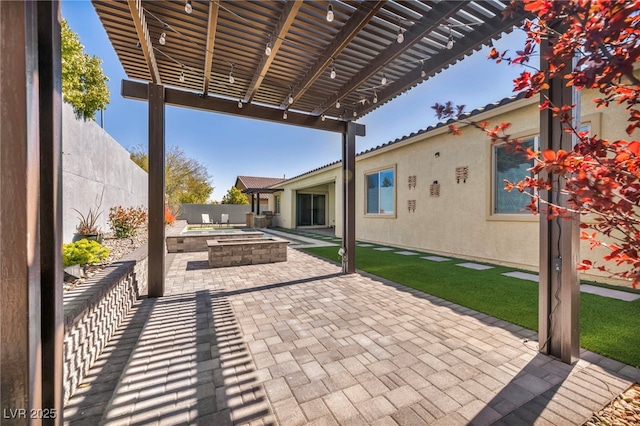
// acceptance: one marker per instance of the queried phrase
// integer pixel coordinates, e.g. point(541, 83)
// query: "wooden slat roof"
point(218, 37)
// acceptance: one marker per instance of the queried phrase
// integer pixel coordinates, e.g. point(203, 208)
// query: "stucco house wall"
point(460, 221)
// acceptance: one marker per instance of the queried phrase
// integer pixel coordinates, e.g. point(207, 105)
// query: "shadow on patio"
point(298, 343)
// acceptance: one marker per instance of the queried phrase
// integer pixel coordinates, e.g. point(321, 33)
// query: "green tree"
point(84, 84)
point(187, 181)
point(235, 196)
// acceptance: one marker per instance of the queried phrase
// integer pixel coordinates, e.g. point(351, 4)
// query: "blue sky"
point(229, 146)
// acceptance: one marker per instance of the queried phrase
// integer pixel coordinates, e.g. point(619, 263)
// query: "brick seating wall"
point(94, 310)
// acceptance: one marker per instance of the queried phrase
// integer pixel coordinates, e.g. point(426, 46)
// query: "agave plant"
point(87, 224)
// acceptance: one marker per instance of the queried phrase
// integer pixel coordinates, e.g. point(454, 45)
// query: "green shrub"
point(125, 222)
point(83, 252)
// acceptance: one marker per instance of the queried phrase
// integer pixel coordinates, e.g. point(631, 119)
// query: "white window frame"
point(378, 171)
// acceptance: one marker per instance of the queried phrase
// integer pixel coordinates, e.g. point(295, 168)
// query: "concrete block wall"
point(93, 162)
point(94, 310)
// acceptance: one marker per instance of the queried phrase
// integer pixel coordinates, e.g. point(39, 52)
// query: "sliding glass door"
point(311, 210)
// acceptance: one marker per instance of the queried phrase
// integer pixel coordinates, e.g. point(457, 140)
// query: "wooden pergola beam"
point(280, 31)
point(365, 12)
point(491, 29)
point(182, 98)
point(140, 23)
point(413, 35)
point(212, 25)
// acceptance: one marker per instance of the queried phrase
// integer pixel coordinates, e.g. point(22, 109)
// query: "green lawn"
point(607, 326)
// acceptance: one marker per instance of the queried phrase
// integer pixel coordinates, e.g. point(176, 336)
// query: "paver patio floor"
point(297, 343)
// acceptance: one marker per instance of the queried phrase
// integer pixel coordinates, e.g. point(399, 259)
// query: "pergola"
point(317, 64)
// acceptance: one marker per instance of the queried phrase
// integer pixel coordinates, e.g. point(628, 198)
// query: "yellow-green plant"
point(83, 252)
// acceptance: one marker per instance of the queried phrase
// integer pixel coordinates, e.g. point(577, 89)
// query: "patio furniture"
point(205, 220)
point(224, 218)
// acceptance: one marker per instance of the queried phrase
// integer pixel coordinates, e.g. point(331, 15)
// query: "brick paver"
point(296, 343)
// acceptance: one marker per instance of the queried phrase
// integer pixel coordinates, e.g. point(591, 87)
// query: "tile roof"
point(472, 113)
point(256, 182)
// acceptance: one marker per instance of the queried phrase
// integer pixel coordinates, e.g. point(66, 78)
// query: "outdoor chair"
point(206, 220)
point(224, 218)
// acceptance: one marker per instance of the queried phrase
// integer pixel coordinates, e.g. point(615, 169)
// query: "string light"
point(450, 42)
point(400, 38)
point(330, 13)
point(267, 50)
point(355, 114)
point(240, 103)
point(423, 73)
point(333, 71)
point(384, 79)
point(284, 115)
point(231, 79)
point(337, 104)
point(181, 78)
point(187, 7)
point(290, 98)
point(375, 97)
point(322, 117)
point(163, 38)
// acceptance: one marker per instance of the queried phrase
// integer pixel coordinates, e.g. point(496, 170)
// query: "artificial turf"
point(608, 326)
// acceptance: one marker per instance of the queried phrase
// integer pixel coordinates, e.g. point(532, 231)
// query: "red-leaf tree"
point(602, 176)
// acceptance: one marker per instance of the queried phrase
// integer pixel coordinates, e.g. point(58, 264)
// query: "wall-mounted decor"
point(412, 182)
point(462, 173)
point(434, 189)
point(412, 205)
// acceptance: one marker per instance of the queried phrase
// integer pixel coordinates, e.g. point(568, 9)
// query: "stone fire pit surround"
point(249, 251)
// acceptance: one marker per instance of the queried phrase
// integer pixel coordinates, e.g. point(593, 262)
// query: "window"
point(277, 202)
point(380, 192)
point(513, 166)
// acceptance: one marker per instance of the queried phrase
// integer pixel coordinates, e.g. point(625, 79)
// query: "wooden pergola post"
point(156, 191)
point(559, 291)
point(31, 331)
point(349, 198)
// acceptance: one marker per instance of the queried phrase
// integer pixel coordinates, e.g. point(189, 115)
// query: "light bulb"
point(290, 98)
point(337, 104)
point(181, 77)
point(322, 117)
point(375, 98)
point(450, 42)
point(330, 13)
point(384, 79)
point(400, 38)
point(333, 73)
point(231, 79)
point(267, 50)
point(423, 73)
point(355, 114)
point(284, 115)
point(163, 38)
point(187, 7)
point(240, 104)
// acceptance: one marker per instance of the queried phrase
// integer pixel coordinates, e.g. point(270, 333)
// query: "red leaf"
point(549, 155)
